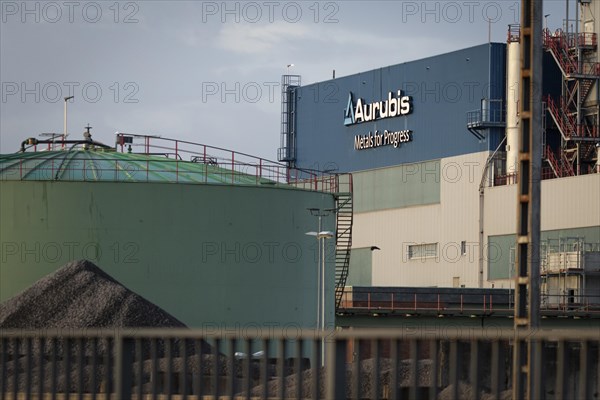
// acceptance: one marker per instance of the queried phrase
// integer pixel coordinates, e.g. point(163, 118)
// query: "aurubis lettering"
point(391, 107)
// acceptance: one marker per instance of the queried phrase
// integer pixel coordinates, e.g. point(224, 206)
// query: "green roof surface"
point(111, 166)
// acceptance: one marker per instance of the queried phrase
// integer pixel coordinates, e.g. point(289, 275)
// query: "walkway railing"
point(451, 363)
point(437, 303)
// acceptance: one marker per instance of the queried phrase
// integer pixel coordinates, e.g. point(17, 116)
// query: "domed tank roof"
point(111, 166)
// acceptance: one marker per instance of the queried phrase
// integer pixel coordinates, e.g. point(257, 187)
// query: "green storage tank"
point(217, 243)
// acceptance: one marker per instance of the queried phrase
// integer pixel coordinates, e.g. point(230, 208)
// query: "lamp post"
point(65, 134)
point(321, 236)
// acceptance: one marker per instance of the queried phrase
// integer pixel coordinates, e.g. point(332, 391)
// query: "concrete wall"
point(211, 255)
point(566, 203)
point(569, 208)
point(448, 222)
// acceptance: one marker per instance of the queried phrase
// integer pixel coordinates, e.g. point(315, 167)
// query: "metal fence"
point(451, 363)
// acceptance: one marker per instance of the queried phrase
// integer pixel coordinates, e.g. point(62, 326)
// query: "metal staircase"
point(343, 233)
point(574, 114)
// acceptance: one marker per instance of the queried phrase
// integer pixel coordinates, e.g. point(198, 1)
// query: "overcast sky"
point(210, 72)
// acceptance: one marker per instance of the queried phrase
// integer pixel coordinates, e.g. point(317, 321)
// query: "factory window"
point(416, 251)
point(463, 247)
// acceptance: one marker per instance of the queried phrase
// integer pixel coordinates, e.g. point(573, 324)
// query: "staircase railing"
point(344, 222)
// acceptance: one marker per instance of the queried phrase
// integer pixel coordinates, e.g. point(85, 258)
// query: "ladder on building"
point(343, 234)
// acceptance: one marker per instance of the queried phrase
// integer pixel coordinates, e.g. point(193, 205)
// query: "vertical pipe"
point(513, 73)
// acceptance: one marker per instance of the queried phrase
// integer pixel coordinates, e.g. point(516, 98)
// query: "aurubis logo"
point(393, 106)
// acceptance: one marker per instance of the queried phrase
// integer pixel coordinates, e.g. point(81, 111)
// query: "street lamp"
point(321, 235)
point(65, 134)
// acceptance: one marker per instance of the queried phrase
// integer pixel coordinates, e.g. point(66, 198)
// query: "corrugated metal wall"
point(444, 88)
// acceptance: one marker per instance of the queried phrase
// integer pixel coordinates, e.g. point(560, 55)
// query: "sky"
point(210, 71)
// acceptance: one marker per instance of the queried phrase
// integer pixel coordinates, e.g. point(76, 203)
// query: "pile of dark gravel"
point(80, 295)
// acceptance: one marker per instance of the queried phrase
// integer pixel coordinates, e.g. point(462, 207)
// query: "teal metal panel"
point(396, 187)
point(499, 253)
point(361, 267)
point(499, 256)
point(212, 255)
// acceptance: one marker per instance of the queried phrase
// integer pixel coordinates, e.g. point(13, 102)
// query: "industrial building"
point(432, 147)
point(419, 189)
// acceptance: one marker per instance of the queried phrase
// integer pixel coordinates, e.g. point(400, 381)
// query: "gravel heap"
point(366, 372)
point(424, 376)
point(80, 295)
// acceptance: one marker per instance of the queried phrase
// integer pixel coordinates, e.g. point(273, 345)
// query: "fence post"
point(336, 363)
point(123, 367)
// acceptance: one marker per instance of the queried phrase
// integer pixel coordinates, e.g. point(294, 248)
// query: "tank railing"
point(236, 162)
point(105, 167)
point(255, 363)
point(169, 159)
point(455, 303)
